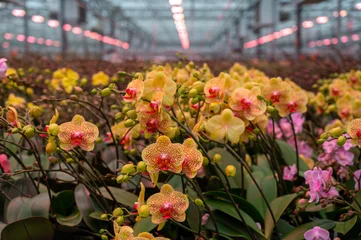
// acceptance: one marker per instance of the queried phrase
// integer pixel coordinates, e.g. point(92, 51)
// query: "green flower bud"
point(29, 132)
point(118, 116)
point(193, 93)
point(205, 161)
point(105, 92)
point(341, 140)
point(114, 107)
point(257, 131)
point(144, 211)
point(132, 114)
point(320, 141)
point(217, 158)
point(122, 74)
point(195, 100)
point(83, 82)
point(125, 109)
point(104, 216)
point(128, 168)
point(230, 171)
point(128, 123)
point(104, 237)
point(101, 231)
point(94, 91)
point(118, 212)
point(111, 86)
point(98, 140)
point(36, 111)
point(199, 202)
point(271, 109)
point(120, 220)
point(141, 166)
point(324, 136)
point(336, 132)
point(54, 129)
point(122, 178)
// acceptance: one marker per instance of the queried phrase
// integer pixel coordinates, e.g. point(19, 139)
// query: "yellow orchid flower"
point(224, 126)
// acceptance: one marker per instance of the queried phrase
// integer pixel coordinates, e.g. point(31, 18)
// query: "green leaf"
point(228, 159)
point(344, 227)
point(63, 176)
point(35, 228)
point(144, 225)
point(284, 227)
point(263, 165)
point(193, 216)
point(71, 220)
point(13, 208)
point(242, 204)
point(297, 233)
point(14, 138)
point(84, 202)
point(268, 186)
point(124, 197)
point(278, 206)
point(63, 202)
point(229, 209)
point(227, 226)
point(289, 155)
point(37, 206)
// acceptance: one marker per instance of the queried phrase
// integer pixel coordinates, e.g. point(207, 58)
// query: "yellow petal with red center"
point(66, 146)
point(91, 132)
point(354, 128)
point(179, 217)
point(163, 155)
point(157, 218)
point(87, 146)
point(166, 189)
point(193, 158)
point(214, 90)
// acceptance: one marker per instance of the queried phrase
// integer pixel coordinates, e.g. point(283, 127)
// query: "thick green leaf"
point(86, 206)
point(284, 227)
point(13, 208)
point(344, 227)
point(14, 138)
point(29, 160)
point(289, 154)
point(242, 204)
point(71, 220)
point(37, 206)
point(193, 216)
point(35, 228)
point(268, 186)
point(297, 233)
point(228, 209)
point(63, 176)
point(227, 226)
point(263, 165)
point(278, 206)
point(145, 225)
point(228, 159)
point(124, 197)
point(63, 202)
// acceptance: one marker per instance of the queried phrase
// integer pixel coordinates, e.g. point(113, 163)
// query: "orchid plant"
point(180, 153)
